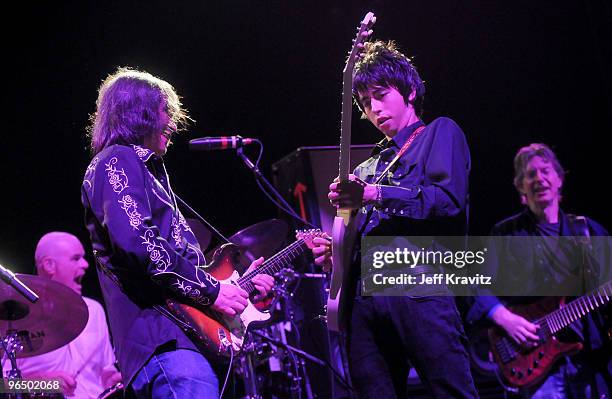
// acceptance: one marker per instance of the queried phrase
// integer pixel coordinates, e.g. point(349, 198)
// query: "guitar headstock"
point(363, 33)
point(308, 235)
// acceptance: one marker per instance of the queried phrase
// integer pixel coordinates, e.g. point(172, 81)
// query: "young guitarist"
point(425, 193)
point(538, 177)
point(145, 250)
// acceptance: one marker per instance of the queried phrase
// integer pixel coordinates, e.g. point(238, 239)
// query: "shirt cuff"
point(493, 310)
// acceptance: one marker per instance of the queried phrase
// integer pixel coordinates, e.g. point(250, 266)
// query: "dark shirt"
point(426, 193)
point(538, 267)
point(145, 252)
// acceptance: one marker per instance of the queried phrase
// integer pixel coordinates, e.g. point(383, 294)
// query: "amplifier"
point(303, 178)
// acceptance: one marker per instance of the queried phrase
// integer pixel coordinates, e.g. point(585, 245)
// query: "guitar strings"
point(286, 255)
point(574, 310)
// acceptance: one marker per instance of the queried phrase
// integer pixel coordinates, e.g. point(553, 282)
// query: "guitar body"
point(344, 233)
point(206, 325)
point(524, 367)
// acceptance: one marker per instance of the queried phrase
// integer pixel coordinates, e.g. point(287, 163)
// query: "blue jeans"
point(571, 378)
point(176, 374)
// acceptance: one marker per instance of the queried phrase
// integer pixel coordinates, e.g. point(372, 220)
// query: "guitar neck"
point(578, 308)
point(344, 164)
point(274, 264)
point(347, 96)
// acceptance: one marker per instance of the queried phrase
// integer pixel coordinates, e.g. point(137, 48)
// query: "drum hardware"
point(246, 368)
point(53, 321)
point(260, 239)
point(268, 366)
point(284, 278)
point(11, 346)
point(114, 392)
point(32, 329)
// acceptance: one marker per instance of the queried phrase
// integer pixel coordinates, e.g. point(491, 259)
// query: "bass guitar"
point(525, 366)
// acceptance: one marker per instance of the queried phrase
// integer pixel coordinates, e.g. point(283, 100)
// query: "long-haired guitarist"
point(144, 248)
point(539, 178)
point(424, 193)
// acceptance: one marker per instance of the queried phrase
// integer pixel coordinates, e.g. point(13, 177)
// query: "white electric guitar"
point(344, 227)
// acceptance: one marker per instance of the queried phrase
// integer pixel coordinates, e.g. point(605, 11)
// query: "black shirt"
point(145, 252)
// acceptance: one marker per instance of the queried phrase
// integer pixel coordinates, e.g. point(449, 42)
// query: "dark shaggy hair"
point(127, 109)
point(383, 65)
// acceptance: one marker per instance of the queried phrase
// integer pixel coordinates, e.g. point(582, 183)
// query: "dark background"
point(508, 73)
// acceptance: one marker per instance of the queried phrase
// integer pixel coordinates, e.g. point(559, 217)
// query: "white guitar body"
point(337, 277)
point(238, 325)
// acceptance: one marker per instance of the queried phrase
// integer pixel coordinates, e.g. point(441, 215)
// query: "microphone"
point(11, 279)
point(218, 143)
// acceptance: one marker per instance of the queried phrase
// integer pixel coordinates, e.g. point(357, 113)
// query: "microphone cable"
point(229, 370)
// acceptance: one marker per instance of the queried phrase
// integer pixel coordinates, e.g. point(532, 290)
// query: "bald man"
point(85, 366)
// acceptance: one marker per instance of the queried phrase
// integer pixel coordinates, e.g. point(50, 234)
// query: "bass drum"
point(114, 392)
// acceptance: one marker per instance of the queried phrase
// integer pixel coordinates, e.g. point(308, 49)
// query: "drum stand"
point(259, 344)
point(11, 346)
point(247, 370)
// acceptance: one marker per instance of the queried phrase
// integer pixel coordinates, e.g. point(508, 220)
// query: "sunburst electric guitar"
point(344, 227)
point(212, 331)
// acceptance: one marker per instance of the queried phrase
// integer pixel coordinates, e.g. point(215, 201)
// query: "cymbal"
point(54, 320)
point(261, 239)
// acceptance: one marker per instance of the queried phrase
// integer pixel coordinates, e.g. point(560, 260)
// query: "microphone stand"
point(11, 279)
point(253, 168)
point(293, 349)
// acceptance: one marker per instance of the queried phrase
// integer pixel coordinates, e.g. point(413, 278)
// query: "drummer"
point(84, 366)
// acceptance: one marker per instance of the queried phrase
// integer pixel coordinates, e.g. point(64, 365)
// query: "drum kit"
point(30, 329)
point(267, 367)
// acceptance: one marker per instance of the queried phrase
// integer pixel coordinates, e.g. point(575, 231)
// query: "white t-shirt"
point(86, 356)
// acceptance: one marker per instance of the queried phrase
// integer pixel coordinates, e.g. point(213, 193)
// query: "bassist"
point(538, 178)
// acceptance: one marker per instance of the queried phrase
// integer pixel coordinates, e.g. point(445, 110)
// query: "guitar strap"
point(205, 222)
point(401, 152)
point(579, 229)
point(384, 173)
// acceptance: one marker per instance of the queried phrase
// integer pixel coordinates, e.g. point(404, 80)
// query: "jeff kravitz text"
point(435, 279)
